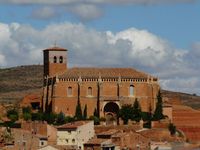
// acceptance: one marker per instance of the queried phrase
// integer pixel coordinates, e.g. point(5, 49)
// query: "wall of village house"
point(145, 93)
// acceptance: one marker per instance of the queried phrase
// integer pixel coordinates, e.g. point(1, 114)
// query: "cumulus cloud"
point(176, 68)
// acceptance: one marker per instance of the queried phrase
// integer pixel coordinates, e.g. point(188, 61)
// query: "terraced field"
point(187, 120)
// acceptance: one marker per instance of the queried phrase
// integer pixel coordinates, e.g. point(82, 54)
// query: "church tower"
point(55, 61)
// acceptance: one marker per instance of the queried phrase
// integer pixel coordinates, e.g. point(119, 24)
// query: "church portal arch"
point(111, 109)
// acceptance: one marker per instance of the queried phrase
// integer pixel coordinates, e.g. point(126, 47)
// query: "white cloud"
point(177, 69)
point(53, 2)
point(86, 12)
point(45, 13)
point(83, 9)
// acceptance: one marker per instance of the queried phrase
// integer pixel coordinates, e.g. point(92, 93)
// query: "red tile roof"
point(96, 141)
point(73, 125)
point(104, 73)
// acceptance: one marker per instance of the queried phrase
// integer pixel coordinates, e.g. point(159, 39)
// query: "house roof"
point(72, 125)
point(109, 132)
point(103, 73)
point(97, 141)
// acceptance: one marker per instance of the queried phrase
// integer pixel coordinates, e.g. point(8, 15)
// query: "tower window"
point(89, 91)
point(61, 59)
point(69, 91)
point(131, 90)
point(55, 59)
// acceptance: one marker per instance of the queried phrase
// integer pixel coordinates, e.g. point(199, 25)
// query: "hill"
point(19, 81)
point(16, 82)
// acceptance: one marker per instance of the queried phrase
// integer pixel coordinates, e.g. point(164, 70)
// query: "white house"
point(75, 133)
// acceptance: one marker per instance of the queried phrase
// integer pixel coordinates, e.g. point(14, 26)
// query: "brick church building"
point(105, 89)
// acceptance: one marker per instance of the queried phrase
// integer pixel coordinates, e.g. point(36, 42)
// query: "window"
point(42, 143)
point(89, 91)
point(73, 140)
point(69, 91)
point(131, 90)
point(66, 140)
point(55, 59)
point(61, 59)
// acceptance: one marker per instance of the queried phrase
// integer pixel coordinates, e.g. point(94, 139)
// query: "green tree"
point(69, 119)
point(78, 113)
point(26, 110)
point(85, 113)
point(61, 118)
point(95, 113)
point(126, 113)
point(172, 129)
point(137, 113)
point(37, 116)
point(49, 117)
point(13, 115)
point(158, 114)
point(95, 119)
point(26, 113)
point(27, 116)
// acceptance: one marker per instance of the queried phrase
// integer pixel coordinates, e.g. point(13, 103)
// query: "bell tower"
point(55, 61)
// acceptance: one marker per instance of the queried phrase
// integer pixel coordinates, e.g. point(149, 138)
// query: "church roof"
point(103, 73)
point(55, 48)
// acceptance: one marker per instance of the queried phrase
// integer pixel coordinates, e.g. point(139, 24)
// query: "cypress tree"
point(158, 114)
point(137, 113)
point(95, 113)
point(78, 114)
point(85, 112)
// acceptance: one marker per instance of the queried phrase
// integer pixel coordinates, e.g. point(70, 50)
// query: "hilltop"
point(16, 82)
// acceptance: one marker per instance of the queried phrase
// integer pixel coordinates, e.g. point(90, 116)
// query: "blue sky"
point(161, 37)
point(177, 22)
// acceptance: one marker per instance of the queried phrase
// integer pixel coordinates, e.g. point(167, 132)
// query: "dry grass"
point(16, 82)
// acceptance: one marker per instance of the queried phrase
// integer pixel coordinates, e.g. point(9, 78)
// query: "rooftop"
point(55, 48)
point(97, 141)
point(104, 73)
point(109, 132)
point(73, 125)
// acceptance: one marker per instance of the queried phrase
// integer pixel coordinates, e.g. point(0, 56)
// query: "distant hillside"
point(191, 100)
point(17, 82)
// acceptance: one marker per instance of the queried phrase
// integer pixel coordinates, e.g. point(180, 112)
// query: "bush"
point(69, 119)
point(26, 110)
point(37, 116)
point(95, 119)
point(12, 114)
point(61, 118)
point(27, 116)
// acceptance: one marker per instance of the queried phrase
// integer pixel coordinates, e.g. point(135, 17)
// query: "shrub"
point(13, 115)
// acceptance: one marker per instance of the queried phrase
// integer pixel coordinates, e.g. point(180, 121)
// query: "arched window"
point(55, 59)
point(69, 91)
point(89, 91)
point(61, 59)
point(131, 90)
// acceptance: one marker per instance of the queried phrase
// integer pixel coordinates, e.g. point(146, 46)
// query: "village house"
point(41, 128)
point(75, 134)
